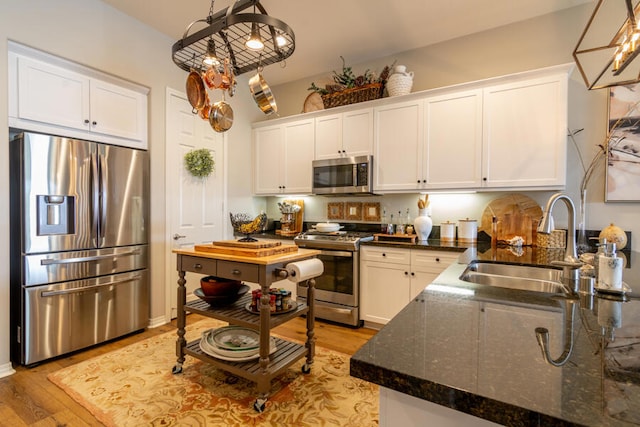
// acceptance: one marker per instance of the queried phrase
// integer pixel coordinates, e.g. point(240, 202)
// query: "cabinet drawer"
point(390, 255)
point(197, 265)
point(433, 259)
point(238, 271)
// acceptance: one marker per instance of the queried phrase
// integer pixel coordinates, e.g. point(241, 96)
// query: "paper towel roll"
point(304, 270)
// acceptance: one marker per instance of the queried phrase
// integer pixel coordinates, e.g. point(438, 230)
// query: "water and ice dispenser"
point(56, 214)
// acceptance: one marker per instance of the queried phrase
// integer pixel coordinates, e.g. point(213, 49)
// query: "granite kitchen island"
point(467, 354)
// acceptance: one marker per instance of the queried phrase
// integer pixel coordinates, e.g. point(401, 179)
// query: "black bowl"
point(221, 300)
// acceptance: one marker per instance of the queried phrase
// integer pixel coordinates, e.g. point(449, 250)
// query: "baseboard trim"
point(158, 321)
point(6, 370)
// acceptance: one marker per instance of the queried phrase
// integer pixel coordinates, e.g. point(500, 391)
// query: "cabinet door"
point(426, 266)
point(453, 141)
point(357, 132)
point(299, 147)
point(384, 290)
point(398, 146)
point(268, 160)
point(328, 137)
point(118, 111)
point(50, 94)
point(525, 133)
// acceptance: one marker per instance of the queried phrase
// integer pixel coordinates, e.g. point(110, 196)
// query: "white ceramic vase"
point(400, 82)
point(423, 224)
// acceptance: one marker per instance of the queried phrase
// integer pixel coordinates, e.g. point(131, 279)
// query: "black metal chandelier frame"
point(229, 29)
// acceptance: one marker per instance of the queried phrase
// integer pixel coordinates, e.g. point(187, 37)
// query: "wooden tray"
point(247, 252)
point(411, 238)
point(248, 245)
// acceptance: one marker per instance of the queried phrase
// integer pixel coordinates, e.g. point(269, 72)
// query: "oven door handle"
point(343, 254)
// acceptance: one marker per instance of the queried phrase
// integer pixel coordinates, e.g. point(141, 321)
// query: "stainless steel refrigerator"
point(79, 244)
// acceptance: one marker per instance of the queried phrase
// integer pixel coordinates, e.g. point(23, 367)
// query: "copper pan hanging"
point(196, 92)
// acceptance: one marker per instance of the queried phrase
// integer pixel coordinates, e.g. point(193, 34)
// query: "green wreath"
point(199, 162)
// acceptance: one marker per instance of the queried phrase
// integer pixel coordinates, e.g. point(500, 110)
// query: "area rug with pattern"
point(134, 386)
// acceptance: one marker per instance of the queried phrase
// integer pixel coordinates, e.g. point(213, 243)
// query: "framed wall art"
point(354, 211)
point(335, 210)
point(623, 154)
point(371, 212)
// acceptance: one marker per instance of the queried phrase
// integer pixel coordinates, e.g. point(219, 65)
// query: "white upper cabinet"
point(282, 158)
point(398, 146)
point(347, 134)
point(525, 133)
point(452, 151)
point(47, 96)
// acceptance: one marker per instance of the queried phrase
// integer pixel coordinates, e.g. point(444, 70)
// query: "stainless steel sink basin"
point(521, 277)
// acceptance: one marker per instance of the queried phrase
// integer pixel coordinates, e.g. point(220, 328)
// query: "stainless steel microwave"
point(344, 175)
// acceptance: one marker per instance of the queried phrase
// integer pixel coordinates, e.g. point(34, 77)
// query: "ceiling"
point(359, 30)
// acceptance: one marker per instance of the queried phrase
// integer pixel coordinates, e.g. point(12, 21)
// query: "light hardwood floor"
point(27, 398)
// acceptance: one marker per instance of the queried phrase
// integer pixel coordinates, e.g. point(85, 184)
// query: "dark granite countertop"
point(473, 348)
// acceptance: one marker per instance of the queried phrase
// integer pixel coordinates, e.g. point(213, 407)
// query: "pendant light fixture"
point(227, 35)
point(254, 42)
point(211, 59)
point(606, 54)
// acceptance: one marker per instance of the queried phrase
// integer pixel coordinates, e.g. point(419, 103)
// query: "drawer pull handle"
point(197, 266)
point(235, 272)
point(437, 259)
point(384, 254)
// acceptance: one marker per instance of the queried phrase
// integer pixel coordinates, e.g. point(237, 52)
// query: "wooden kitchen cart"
point(264, 271)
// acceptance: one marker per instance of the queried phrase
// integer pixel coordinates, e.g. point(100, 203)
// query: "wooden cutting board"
point(249, 245)
point(246, 252)
point(517, 215)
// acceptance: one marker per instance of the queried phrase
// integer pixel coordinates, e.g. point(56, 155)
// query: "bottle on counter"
point(384, 224)
point(400, 224)
point(610, 268)
point(391, 227)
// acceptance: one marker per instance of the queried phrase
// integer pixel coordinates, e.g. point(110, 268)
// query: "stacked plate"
point(233, 343)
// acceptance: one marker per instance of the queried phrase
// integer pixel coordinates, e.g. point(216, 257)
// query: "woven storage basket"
point(557, 239)
point(354, 95)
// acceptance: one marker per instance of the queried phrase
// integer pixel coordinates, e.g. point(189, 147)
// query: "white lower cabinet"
point(391, 277)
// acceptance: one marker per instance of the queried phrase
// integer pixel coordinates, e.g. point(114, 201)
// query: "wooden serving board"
point(411, 238)
point(247, 245)
point(516, 214)
point(246, 252)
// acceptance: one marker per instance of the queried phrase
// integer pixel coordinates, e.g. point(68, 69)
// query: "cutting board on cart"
point(248, 249)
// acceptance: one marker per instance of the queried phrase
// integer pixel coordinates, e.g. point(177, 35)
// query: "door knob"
point(177, 236)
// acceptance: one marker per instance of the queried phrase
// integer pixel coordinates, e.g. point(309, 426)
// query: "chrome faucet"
point(570, 264)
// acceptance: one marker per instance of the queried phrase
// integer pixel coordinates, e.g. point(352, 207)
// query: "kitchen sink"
point(520, 277)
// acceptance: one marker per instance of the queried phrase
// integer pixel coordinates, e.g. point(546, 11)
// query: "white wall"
point(94, 34)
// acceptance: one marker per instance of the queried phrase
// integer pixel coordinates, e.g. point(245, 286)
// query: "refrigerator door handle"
point(50, 261)
point(46, 294)
point(95, 199)
point(103, 199)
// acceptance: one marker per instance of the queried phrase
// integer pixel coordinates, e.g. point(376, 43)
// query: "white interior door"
point(195, 206)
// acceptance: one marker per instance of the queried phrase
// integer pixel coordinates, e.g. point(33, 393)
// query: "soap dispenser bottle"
point(596, 257)
point(610, 269)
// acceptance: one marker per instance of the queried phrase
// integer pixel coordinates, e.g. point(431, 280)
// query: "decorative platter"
point(234, 338)
point(231, 355)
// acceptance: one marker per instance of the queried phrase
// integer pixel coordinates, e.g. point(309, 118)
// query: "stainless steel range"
point(338, 288)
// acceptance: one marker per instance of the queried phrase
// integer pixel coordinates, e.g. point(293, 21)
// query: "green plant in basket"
point(199, 162)
point(347, 79)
